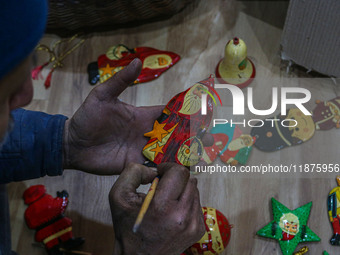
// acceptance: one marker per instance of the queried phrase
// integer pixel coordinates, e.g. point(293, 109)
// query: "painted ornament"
point(154, 62)
point(235, 68)
point(334, 212)
point(289, 227)
point(176, 135)
point(326, 115)
point(210, 153)
point(238, 150)
point(238, 147)
point(276, 134)
point(45, 214)
point(217, 235)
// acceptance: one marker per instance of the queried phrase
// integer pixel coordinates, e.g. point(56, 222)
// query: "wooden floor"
point(198, 34)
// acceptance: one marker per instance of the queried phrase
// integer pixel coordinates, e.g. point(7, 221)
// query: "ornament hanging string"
point(56, 56)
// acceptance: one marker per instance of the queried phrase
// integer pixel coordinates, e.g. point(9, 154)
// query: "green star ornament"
point(289, 227)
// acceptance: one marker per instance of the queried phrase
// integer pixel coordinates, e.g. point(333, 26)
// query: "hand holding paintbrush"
point(173, 220)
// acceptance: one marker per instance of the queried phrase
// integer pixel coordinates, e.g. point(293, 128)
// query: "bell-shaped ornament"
point(235, 68)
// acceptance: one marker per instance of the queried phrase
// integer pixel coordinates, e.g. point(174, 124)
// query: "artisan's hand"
point(174, 220)
point(105, 134)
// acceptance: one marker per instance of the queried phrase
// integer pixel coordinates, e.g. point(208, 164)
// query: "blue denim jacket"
point(32, 150)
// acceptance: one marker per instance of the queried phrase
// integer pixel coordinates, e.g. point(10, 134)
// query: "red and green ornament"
point(289, 227)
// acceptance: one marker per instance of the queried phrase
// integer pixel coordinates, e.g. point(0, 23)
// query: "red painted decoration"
point(154, 61)
point(176, 135)
point(216, 237)
point(45, 214)
point(211, 152)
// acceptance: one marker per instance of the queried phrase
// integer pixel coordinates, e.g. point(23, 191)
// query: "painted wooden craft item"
point(235, 68)
point(289, 227)
point(238, 147)
point(334, 212)
point(176, 135)
point(154, 61)
point(216, 237)
point(326, 115)
point(274, 135)
point(45, 214)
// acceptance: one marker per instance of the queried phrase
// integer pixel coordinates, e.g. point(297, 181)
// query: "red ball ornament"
point(217, 235)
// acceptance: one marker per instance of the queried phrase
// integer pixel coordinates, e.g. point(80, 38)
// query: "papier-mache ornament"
point(45, 214)
point(217, 235)
point(235, 68)
point(334, 212)
point(239, 146)
point(154, 62)
point(238, 150)
point(326, 114)
point(176, 135)
point(274, 135)
point(289, 227)
point(210, 153)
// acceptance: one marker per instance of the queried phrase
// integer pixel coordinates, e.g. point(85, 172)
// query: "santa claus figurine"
point(45, 214)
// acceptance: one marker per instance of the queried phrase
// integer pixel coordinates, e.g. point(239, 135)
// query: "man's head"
point(22, 24)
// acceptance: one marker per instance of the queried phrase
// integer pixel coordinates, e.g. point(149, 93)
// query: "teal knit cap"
point(22, 24)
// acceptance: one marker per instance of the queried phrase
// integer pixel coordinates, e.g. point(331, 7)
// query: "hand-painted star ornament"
point(289, 227)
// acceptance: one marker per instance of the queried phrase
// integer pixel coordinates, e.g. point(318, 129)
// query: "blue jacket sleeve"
point(33, 148)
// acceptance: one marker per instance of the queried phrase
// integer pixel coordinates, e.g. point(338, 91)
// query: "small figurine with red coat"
point(45, 214)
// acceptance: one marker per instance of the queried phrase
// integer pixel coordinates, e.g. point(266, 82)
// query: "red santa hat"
point(33, 193)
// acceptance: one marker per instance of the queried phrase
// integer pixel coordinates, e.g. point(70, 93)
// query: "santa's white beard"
point(9, 129)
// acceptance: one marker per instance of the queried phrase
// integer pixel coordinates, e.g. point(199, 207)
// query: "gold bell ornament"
point(235, 68)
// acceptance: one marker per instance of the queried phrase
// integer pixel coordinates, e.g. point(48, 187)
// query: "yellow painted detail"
point(56, 235)
point(336, 190)
point(107, 72)
point(212, 223)
point(157, 61)
point(149, 150)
